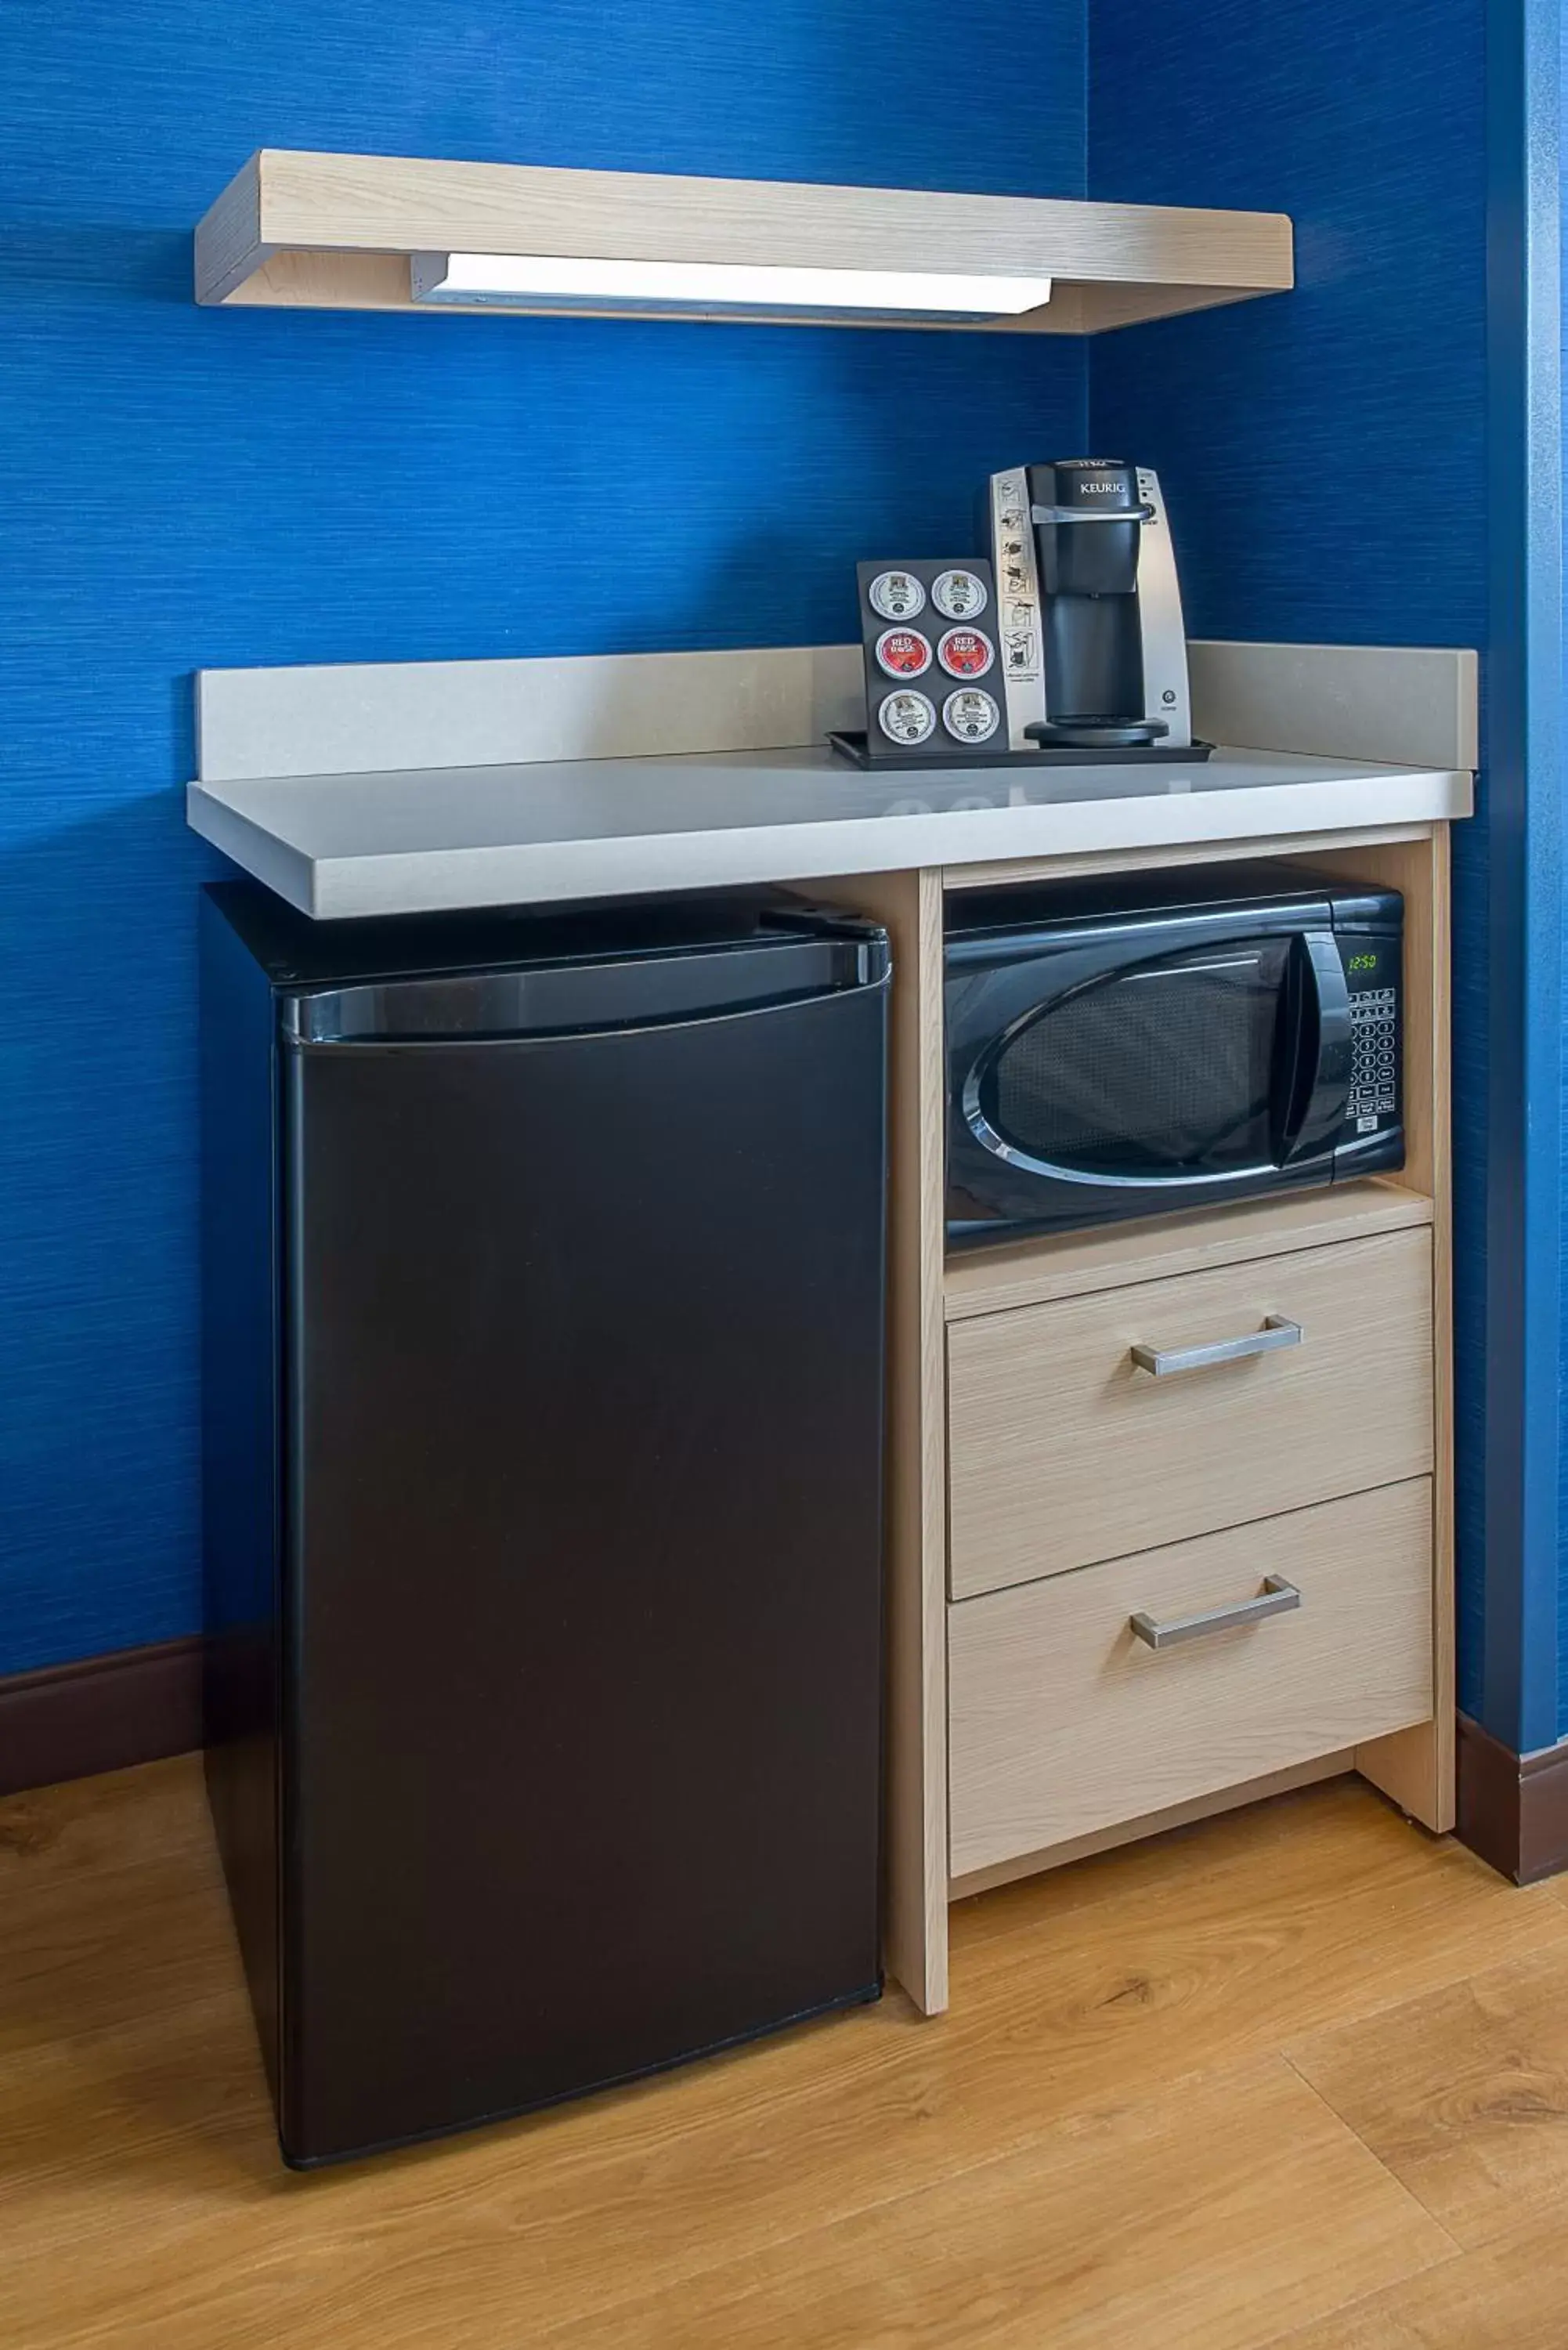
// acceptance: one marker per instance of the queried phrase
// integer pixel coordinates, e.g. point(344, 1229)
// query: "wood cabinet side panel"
point(916, 1930)
point(1415, 1768)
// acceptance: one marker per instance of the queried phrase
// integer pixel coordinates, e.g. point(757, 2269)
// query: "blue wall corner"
point(1326, 454)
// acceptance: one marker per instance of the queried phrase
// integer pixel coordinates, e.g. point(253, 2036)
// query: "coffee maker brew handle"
point(1323, 1055)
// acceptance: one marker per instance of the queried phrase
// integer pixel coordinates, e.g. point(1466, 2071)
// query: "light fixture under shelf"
point(719, 288)
point(300, 231)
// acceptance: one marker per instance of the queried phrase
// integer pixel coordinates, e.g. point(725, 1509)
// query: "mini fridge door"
point(581, 1662)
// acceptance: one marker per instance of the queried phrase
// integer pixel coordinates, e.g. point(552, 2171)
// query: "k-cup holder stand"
point(932, 668)
point(932, 657)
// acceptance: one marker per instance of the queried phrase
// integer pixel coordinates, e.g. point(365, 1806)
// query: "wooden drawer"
point(1062, 1720)
point(1063, 1451)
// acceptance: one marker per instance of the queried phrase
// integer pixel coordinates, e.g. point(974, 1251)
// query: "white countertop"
point(422, 840)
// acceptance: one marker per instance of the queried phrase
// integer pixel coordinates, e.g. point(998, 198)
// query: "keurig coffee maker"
point(1093, 652)
point(1071, 652)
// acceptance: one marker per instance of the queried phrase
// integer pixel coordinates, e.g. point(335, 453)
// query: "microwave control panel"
point(1374, 1096)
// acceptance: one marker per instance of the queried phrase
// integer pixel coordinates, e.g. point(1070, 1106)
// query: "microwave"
point(1139, 1045)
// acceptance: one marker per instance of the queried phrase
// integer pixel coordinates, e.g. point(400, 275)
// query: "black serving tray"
point(850, 742)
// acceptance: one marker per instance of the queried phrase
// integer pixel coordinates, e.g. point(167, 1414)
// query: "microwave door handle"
point(1322, 1049)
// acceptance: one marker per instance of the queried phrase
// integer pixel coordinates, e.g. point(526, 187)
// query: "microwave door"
point(1157, 1075)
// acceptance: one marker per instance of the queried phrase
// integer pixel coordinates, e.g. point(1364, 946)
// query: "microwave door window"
point(1159, 1073)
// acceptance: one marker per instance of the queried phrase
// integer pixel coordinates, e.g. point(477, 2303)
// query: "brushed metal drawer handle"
point(1277, 1597)
point(1276, 1332)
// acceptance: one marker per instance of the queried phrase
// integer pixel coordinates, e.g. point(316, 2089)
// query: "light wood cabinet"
point(1065, 1447)
point(1064, 1721)
point(1044, 1490)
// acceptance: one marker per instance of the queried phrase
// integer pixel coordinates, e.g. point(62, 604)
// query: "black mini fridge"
point(542, 1370)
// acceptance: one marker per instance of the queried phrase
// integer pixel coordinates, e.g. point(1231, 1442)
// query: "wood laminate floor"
point(1298, 2076)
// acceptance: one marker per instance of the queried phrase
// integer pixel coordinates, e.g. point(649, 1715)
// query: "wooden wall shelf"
point(302, 231)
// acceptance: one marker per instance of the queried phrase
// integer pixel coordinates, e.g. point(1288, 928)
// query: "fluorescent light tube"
point(555, 282)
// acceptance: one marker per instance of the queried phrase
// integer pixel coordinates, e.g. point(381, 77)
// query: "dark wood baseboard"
point(1513, 1808)
point(104, 1713)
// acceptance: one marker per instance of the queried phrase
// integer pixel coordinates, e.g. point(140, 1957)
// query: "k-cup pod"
point(965, 653)
point(970, 715)
point(907, 717)
point(959, 595)
point(897, 595)
point(903, 652)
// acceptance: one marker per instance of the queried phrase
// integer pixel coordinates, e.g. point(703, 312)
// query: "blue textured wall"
point(1325, 455)
point(184, 488)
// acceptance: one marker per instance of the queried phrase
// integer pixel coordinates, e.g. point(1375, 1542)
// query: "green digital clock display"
point(1362, 963)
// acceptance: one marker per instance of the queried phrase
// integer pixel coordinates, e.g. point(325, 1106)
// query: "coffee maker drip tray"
point(1097, 734)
